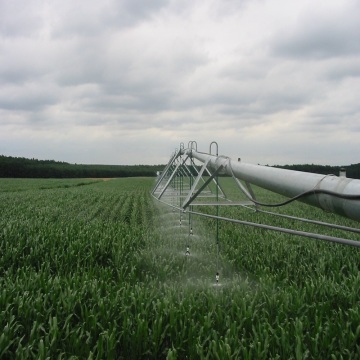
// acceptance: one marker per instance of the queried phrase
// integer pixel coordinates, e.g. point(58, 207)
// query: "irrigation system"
point(191, 179)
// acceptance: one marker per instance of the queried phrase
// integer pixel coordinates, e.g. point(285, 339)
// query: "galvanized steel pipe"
point(291, 183)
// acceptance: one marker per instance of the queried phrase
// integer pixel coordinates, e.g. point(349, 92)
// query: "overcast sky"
point(125, 81)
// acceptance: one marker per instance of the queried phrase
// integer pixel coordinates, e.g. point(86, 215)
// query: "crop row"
point(99, 271)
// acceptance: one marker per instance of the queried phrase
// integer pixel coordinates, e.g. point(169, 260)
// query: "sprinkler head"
point(217, 276)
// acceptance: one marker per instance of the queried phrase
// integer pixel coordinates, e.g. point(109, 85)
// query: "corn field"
point(93, 269)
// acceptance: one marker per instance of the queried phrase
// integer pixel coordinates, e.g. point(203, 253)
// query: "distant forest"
point(352, 171)
point(16, 167)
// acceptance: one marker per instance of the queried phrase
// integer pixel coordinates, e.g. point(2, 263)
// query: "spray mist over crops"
point(184, 253)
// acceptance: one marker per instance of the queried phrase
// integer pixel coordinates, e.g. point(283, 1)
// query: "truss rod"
point(287, 231)
point(187, 202)
point(334, 226)
point(165, 171)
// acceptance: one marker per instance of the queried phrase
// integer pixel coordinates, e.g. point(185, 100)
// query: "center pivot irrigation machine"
point(191, 179)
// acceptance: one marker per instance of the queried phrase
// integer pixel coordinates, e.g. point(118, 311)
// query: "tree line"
point(18, 167)
point(352, 171)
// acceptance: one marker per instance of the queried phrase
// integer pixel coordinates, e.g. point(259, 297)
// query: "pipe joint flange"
point(223, 161)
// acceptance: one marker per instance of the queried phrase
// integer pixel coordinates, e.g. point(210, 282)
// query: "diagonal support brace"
point(171, 177)
point(190, 198)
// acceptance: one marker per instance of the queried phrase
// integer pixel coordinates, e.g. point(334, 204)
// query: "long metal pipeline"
point(291, 183)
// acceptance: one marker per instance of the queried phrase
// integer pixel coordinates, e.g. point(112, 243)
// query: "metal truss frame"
point(188, 182)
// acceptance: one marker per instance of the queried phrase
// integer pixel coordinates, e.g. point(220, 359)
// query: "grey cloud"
point(81, 63)
point(20, 18)
point(247, 69)
point(342, 69)
point(260, 86)
point(226, 8)
point(25, 60)
point(17, 74)
point(83, 18)
point(137, 102)
point(26, 98)
point(130, 11)
point(150, 85)
point(324, 126)
point(100, 17)
point(321, 35)
point(321, 43)
point(285, 98)
point(255, 97)
point(146, 96)
point(343, 120)
point(88, 73)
